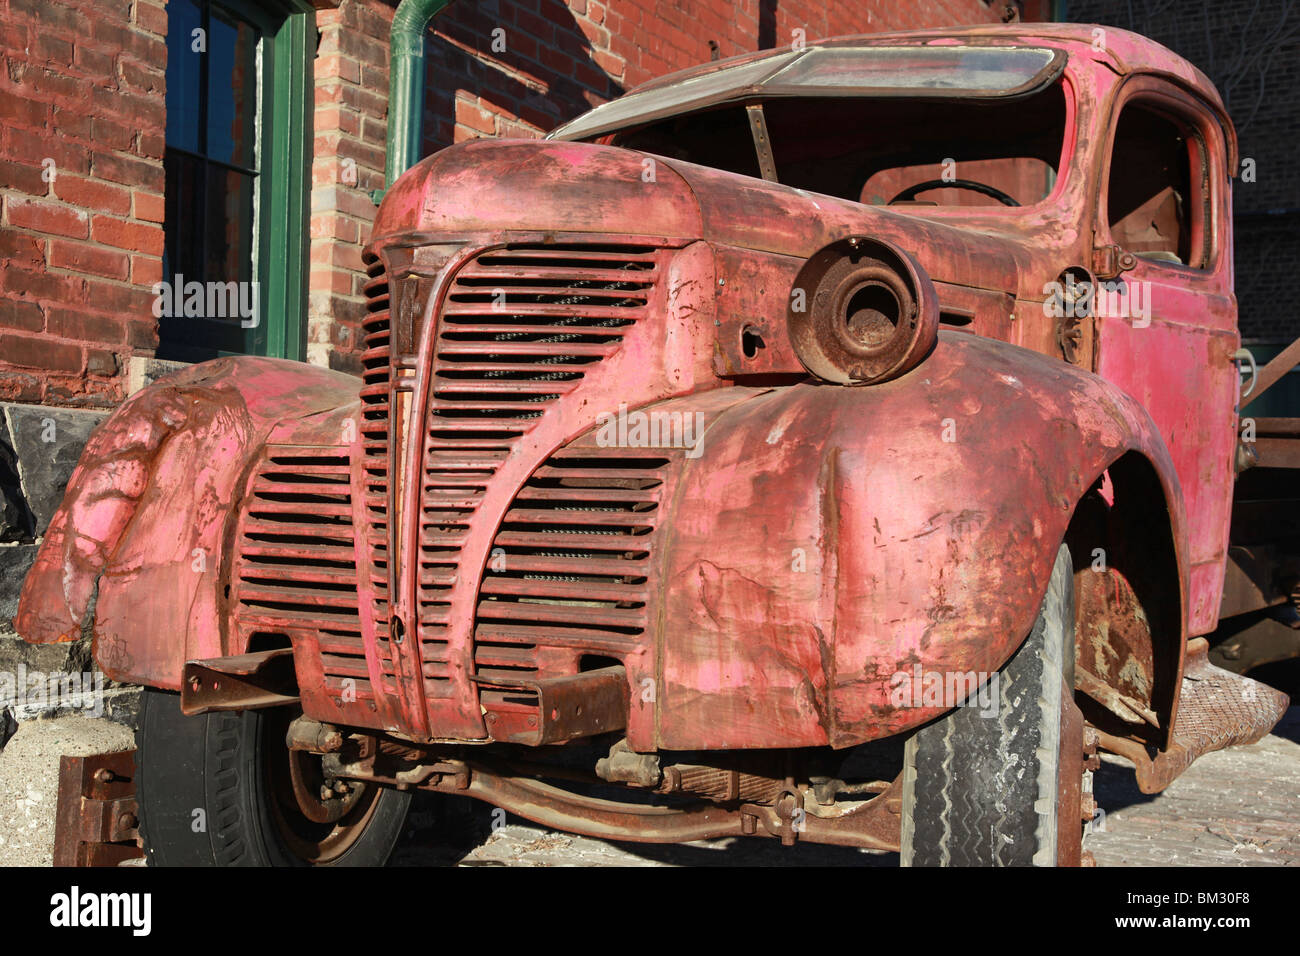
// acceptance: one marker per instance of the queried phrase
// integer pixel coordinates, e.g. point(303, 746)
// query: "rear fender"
point(830, 544)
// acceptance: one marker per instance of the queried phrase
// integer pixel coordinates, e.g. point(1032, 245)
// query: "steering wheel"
point(911, 191)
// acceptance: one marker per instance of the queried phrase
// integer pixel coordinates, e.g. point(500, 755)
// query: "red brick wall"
point(81, 181)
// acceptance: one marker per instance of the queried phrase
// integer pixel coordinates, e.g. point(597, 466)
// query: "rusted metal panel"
point(95, 820)
point(861, 555)
point(1218, 709)
point(147, 512)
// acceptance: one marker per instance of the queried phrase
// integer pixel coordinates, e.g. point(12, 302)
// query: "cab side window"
point(1156, 198)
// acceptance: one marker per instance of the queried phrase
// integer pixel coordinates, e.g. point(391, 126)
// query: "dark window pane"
point(183, 249)
point(183, 70)
point(228, 226)
point(232, 89)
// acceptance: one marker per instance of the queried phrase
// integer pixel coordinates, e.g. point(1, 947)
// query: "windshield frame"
point(763, 84)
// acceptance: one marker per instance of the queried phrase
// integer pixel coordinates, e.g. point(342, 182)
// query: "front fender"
point(829, 539)
point(145, 511)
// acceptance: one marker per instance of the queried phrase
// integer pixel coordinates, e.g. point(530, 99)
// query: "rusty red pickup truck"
point(832, 444)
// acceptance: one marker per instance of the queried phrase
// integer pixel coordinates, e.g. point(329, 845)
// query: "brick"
point(53, 83)
point(348, 148)
point(19, 387)
point(374, 131)
point(142, 332)
point(141, 77)
point(133, 236)
point(68, 157)
point(23, 177)
point(611, 64)
point(92, 260)
point(50, 48)
point(328, 226)
point(83, 325)
point(71, 123)
point(150, 144)
point(25, 316)
point(331, 118)
point(341, 254)
point(40, 352)
point(362, 48)
point(92, 194)
point(148, 207)
point(372, 21)
point(127, 170)
point(99, 362)
point(13, 36)
point(93, 62)
point(121, 300)
point(146, 270)
point(342, 67)
point(351, 202)
point(532, 25)
point(150, 18)
point(46, 217)
point(374, 77)
point(108, 133)
point(469, 114)
point(36, 283)
point(49, 15)
point(20, 111)
point(22, 246)
point(323, 279)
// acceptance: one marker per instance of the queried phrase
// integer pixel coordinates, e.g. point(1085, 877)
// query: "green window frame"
point(278, 167)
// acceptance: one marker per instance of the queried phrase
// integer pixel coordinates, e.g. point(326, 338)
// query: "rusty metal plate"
point(95, 820)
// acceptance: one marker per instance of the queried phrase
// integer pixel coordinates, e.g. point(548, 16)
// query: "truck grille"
point(295, 563)
point(569, 568)
point(520, 329)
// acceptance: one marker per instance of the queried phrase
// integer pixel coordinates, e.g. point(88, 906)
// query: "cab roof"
point(1121, 50)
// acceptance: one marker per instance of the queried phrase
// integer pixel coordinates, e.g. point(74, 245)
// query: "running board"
point(1216, 709)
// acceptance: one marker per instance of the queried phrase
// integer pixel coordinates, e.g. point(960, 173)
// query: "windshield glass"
point(907, 126)
point(878, 150)
point(982, 71)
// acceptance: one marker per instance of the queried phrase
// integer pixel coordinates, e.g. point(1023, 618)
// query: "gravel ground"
point(1239, 807)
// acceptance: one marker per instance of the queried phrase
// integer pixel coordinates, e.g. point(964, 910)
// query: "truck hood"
point(485, 187)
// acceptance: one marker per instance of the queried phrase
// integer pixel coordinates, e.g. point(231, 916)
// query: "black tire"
point(979, 791)
point(205, 792)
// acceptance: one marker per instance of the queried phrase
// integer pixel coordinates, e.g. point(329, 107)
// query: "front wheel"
point(1003, 789)
point(223, 789)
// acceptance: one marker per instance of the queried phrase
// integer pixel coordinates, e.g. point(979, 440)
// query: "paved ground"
point(29, 780)
point(1239, 807)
